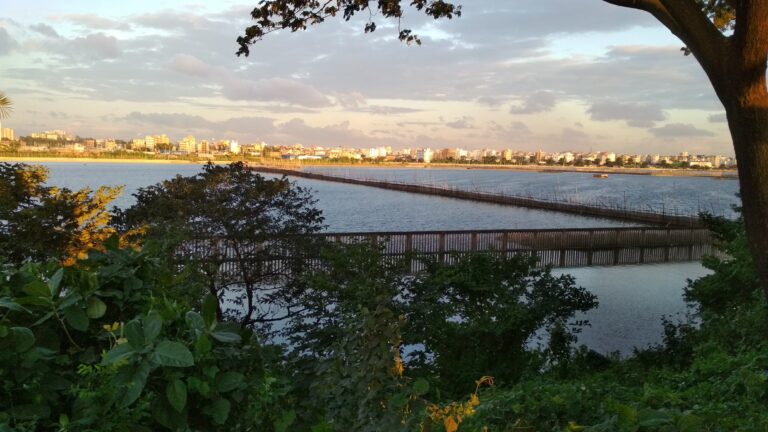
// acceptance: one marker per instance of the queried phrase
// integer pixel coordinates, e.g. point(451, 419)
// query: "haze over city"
point(554, 75)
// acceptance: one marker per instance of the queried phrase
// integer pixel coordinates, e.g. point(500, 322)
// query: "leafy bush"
point(103, 346)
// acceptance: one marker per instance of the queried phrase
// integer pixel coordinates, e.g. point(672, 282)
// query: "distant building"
point(188, 144)
point(7, 134)
point(424, 155)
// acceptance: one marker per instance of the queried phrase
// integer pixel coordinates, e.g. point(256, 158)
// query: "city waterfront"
point(632, 298)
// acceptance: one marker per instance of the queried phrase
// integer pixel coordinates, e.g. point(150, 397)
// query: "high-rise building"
point(188, 144)
point(7, 134)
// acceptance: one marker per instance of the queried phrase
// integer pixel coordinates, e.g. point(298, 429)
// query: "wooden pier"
point(644, 217)
point(561, 248)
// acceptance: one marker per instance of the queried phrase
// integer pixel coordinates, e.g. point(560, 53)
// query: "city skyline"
point(535, 77)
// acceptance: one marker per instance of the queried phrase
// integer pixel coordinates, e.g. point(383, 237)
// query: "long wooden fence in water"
point(580, 247)
point(645, 217)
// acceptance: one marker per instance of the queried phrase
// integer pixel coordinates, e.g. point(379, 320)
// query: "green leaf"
point(135, 377)
point(153, 324)
point(627, 415)
point(69, 300)
point(689, 423)
point(218, 410)
point(38, 288)
point(76, 317)
point(20, 338)
point(54, 283)
point(174, 354)
point(210, 307)
point(43, 319)
point(7, 303)
point(135, 335)
point(176, 392)
point(228, 381)
point(285, 421)
point(203, 345)
point(96, 308)
point(226, 336)
point(398, 401)
point(653, 418)
point(195, 321)
point(117, 354)
point(420, 387)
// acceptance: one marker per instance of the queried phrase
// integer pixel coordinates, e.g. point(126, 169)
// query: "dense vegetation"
point(114, 333)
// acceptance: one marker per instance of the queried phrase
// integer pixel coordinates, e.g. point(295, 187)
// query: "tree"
point(729, 38)
point(41, 222)
point(6, 106)
point(247, 234)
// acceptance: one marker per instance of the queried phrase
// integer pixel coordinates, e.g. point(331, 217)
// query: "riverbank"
point(723, 174)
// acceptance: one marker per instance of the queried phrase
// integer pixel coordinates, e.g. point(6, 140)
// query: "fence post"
point(505, 243)
point(590, 247)
point(642, 246)
point(408, 242)
point(667, 248)
point(441, 246)
point(473, 242)
point(562, 258)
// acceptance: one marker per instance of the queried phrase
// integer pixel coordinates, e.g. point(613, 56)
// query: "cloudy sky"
point(550, 74)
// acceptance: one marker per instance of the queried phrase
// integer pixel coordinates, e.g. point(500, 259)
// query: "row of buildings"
point(62, 142)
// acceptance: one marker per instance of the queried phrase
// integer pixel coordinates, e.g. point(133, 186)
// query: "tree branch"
point(688, 21)
point(654, 7)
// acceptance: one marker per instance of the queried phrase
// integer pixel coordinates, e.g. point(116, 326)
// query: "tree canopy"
point(6, 106)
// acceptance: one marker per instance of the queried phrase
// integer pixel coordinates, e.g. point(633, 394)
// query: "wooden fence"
point(607, 212)
point(554, 247)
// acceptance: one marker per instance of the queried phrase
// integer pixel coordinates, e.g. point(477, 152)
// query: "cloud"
point(182, 124)
point(462, 123)
point(190, 65)
point(636, 115)
point(95, 22)
point(274, 90)
point(679, 130)
point(351, 100)
point(98, 46)
point(385, 110)
point(7, 42)
point(541, 101)
point(491, 101)
point(718, 118)
point(45, 30)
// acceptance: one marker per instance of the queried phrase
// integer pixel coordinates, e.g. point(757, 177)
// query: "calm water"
point(632, 298)
point(689, 195)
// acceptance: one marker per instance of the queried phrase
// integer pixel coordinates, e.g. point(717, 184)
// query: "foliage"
point(708, 375)
point(372, 337)
point(346, 343)
point(295, 15)
point(41, 222)
point(6, 106)
point(102, 347)
point(233, 216)
point(734, 280)
point(477, 317)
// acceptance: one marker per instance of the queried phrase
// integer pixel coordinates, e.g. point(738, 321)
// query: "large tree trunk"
point(749, 129)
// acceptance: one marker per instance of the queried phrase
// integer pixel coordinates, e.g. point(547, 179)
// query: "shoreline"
point(662, 172)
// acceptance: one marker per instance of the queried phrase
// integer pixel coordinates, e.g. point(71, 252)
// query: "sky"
point(555, 75)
